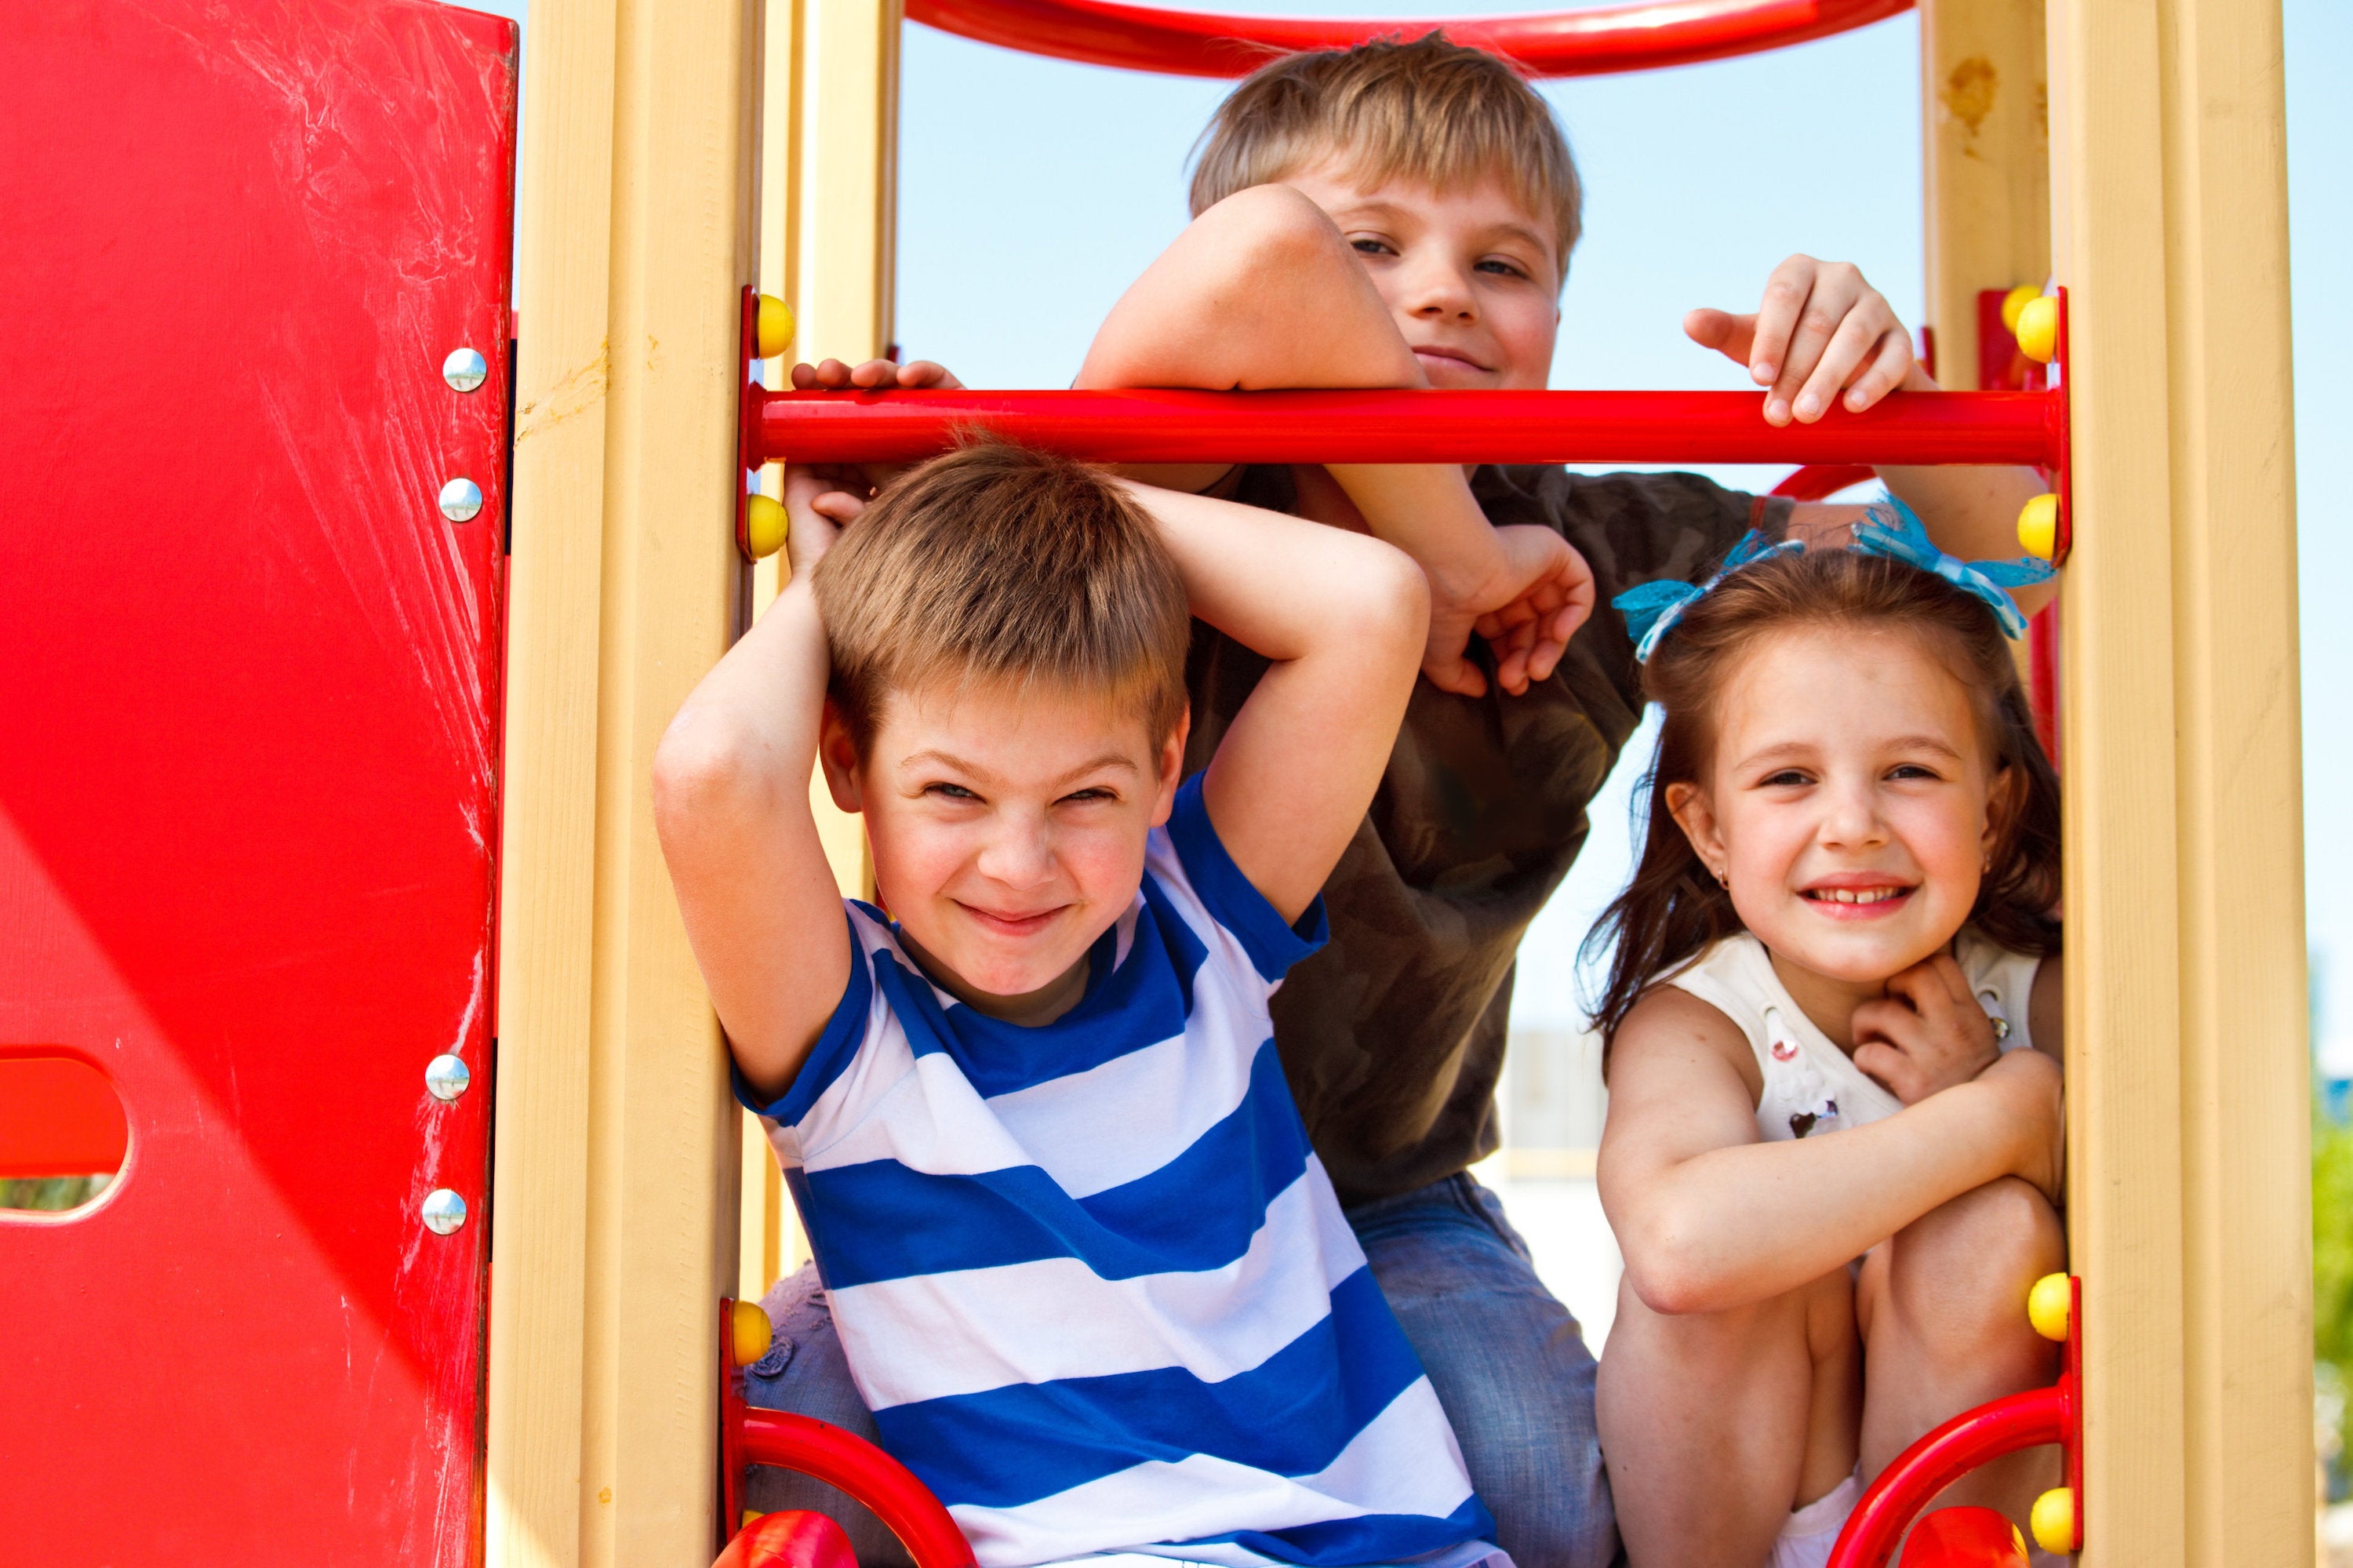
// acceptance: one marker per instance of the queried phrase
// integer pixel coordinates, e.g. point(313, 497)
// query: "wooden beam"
point(850, 180)
point(1986, 147)
point(617, 1152)
point(2187, 1063)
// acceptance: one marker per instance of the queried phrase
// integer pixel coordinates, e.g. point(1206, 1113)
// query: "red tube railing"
point(1564, 43)
point(841, 1459)
point(1974, 1437)
point(1401, 426)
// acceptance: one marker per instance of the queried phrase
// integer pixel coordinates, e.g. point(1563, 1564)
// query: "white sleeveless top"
point(1812, 1085)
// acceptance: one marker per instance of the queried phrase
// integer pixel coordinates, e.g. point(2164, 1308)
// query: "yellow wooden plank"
point(2246, 1068)
point(2124, 1024)
point(849, 195)
point(2188, 1071)
point(1986, 149)
point(547, 857)
point(618, 1154)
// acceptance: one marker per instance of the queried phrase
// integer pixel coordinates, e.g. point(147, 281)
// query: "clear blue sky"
point(1032, 191)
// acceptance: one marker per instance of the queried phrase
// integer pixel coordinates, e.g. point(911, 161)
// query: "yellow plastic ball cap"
point(2049, 1306)
point(752, 1516)
point(765, 526)
point(2017, 300)
point(2037, 535)
point(2038, 328)
point(2054, 1520)
point(748, 1332)
point(775, 326)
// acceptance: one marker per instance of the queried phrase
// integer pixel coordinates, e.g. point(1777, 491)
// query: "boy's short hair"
point(1424, 107)
point(996, 563)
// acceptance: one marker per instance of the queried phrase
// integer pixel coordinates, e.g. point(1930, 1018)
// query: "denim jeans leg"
point(806, 1372)
point(1509, 1364)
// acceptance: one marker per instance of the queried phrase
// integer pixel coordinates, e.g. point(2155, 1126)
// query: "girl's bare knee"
point(1958, 1275)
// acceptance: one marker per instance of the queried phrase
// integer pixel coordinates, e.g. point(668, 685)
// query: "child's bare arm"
point(1342, 617)
point(731, 802)
point(1710, 1218)
point(1262, 292)
point(1823, 336)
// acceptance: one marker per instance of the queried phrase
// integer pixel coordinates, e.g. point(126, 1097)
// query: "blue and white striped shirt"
point(1091, 1277)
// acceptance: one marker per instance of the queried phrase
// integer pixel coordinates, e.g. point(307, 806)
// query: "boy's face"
point(1469, 274)
point(1008, 831)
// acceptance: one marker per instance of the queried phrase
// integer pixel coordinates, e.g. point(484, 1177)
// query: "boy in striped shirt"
point(1091, 1279)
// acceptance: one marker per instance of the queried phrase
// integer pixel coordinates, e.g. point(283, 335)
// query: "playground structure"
point(681, 153)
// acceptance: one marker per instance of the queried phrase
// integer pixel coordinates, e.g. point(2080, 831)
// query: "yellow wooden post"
point(1986, 147)
point(2188, 1068)
point(850, 179)
point(615, 1150)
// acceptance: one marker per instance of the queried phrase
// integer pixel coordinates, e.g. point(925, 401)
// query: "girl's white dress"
point(1810, 1085)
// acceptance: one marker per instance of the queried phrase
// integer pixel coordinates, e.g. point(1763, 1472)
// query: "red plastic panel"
point(58, 1117)
point(248, 801)
point(1588, 42)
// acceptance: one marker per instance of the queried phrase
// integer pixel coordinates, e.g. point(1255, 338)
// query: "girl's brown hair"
point(1673, 908)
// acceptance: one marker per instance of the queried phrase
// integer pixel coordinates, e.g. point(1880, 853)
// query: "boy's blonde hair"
point(1423, 109)
point(996, 563)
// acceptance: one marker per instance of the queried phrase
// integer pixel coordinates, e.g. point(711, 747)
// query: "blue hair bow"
point(1892, 530)
point(1653, 608)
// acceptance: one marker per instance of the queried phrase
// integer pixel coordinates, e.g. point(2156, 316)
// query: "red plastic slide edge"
point(1562, 43)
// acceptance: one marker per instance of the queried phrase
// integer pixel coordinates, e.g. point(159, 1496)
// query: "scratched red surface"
point(248, 746)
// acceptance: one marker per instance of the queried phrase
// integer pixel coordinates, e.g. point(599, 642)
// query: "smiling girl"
point(1833, 1153)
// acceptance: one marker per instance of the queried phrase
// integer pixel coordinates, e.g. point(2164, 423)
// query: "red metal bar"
point(2026, 1420)
point(1565, 43)
point(841, 1459)
point(1146, 426)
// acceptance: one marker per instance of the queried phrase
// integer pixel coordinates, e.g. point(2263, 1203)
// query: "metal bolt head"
point(465, 369)
point(447, 1077)
point(461, 501)
point(444, 1211)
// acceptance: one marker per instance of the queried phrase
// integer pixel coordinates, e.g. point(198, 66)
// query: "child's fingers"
point(1452, 672)
point(1850, 348)
point(1728, 335)
point(1835, 289)
point(1888, 368)
point(929, 373)
point(1775, 322)
point(1887, 1067)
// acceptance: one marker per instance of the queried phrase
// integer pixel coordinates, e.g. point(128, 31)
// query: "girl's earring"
point(1724, 880)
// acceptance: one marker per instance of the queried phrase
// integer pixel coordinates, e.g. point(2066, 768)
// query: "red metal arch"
point(1563, 43)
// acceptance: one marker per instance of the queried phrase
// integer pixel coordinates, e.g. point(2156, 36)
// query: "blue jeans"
point(1507, 1360)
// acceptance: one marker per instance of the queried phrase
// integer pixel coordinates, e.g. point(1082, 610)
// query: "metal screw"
point(465, 369)
point(447, 1077)
point(444, 1211)
point(462, 500)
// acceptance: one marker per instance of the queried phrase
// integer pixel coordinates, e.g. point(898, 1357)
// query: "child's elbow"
point(1670, 1274)
point(1394, 609)
point(1272, 229)
point(700, 769)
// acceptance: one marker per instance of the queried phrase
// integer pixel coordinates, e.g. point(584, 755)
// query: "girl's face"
point(1851, 804)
